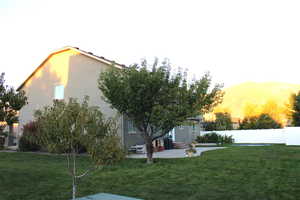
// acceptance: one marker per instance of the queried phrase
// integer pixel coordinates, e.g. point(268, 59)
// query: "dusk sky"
point(235, 40)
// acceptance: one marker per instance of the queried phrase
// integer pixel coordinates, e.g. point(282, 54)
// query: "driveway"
point(175, 153)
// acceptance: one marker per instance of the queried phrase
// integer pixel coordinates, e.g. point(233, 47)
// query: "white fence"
point(288, 136)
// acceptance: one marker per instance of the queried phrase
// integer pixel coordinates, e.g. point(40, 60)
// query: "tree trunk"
point(74, 189)
point(149, 148)
point(74, 176)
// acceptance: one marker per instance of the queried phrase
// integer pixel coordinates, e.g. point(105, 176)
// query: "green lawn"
point(264, 173)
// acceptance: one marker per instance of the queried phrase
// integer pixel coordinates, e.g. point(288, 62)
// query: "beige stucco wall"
point(77, 72)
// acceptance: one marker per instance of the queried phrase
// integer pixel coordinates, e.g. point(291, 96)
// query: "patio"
point(175, 153)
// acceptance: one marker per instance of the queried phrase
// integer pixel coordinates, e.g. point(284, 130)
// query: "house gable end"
point(75, 49)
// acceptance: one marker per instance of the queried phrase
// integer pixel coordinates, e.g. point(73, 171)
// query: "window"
point(59, 92)
point(131, 127)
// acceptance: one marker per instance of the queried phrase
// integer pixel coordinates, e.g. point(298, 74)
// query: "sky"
point(236, 40)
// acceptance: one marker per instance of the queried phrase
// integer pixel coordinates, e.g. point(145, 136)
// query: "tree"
point(251, 109)
point(275, 110)
point(156, 101)
point(10, 103)
point(209, 125)
point(223, 121)
point(263, 121)
point(63, 126)
point(296, 109)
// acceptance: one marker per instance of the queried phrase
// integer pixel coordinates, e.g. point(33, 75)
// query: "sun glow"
point(252, 99)
point(59, 66)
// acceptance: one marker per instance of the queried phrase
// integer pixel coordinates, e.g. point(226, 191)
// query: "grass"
point(266, 173)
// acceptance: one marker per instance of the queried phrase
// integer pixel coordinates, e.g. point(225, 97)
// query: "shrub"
point(2, 141)
point(208, 138)
point(26, 145)
point(215, 138)
point(30, 141)
point(224, 139)
point(30, 138)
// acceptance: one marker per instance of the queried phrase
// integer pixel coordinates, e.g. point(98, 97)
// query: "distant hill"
point(251, 98)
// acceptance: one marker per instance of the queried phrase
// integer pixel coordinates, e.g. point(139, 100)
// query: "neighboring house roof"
point(89, 54)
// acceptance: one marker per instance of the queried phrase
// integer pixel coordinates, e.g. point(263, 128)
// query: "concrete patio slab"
point(175, 153)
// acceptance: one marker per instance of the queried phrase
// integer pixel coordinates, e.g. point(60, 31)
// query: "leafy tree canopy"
point(10, 103)
point(263, 121)
point(63, 126)
point(223, 121)
point(296, 109)
point(154, 99)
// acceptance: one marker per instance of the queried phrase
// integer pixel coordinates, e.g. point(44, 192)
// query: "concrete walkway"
point(175, 153)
